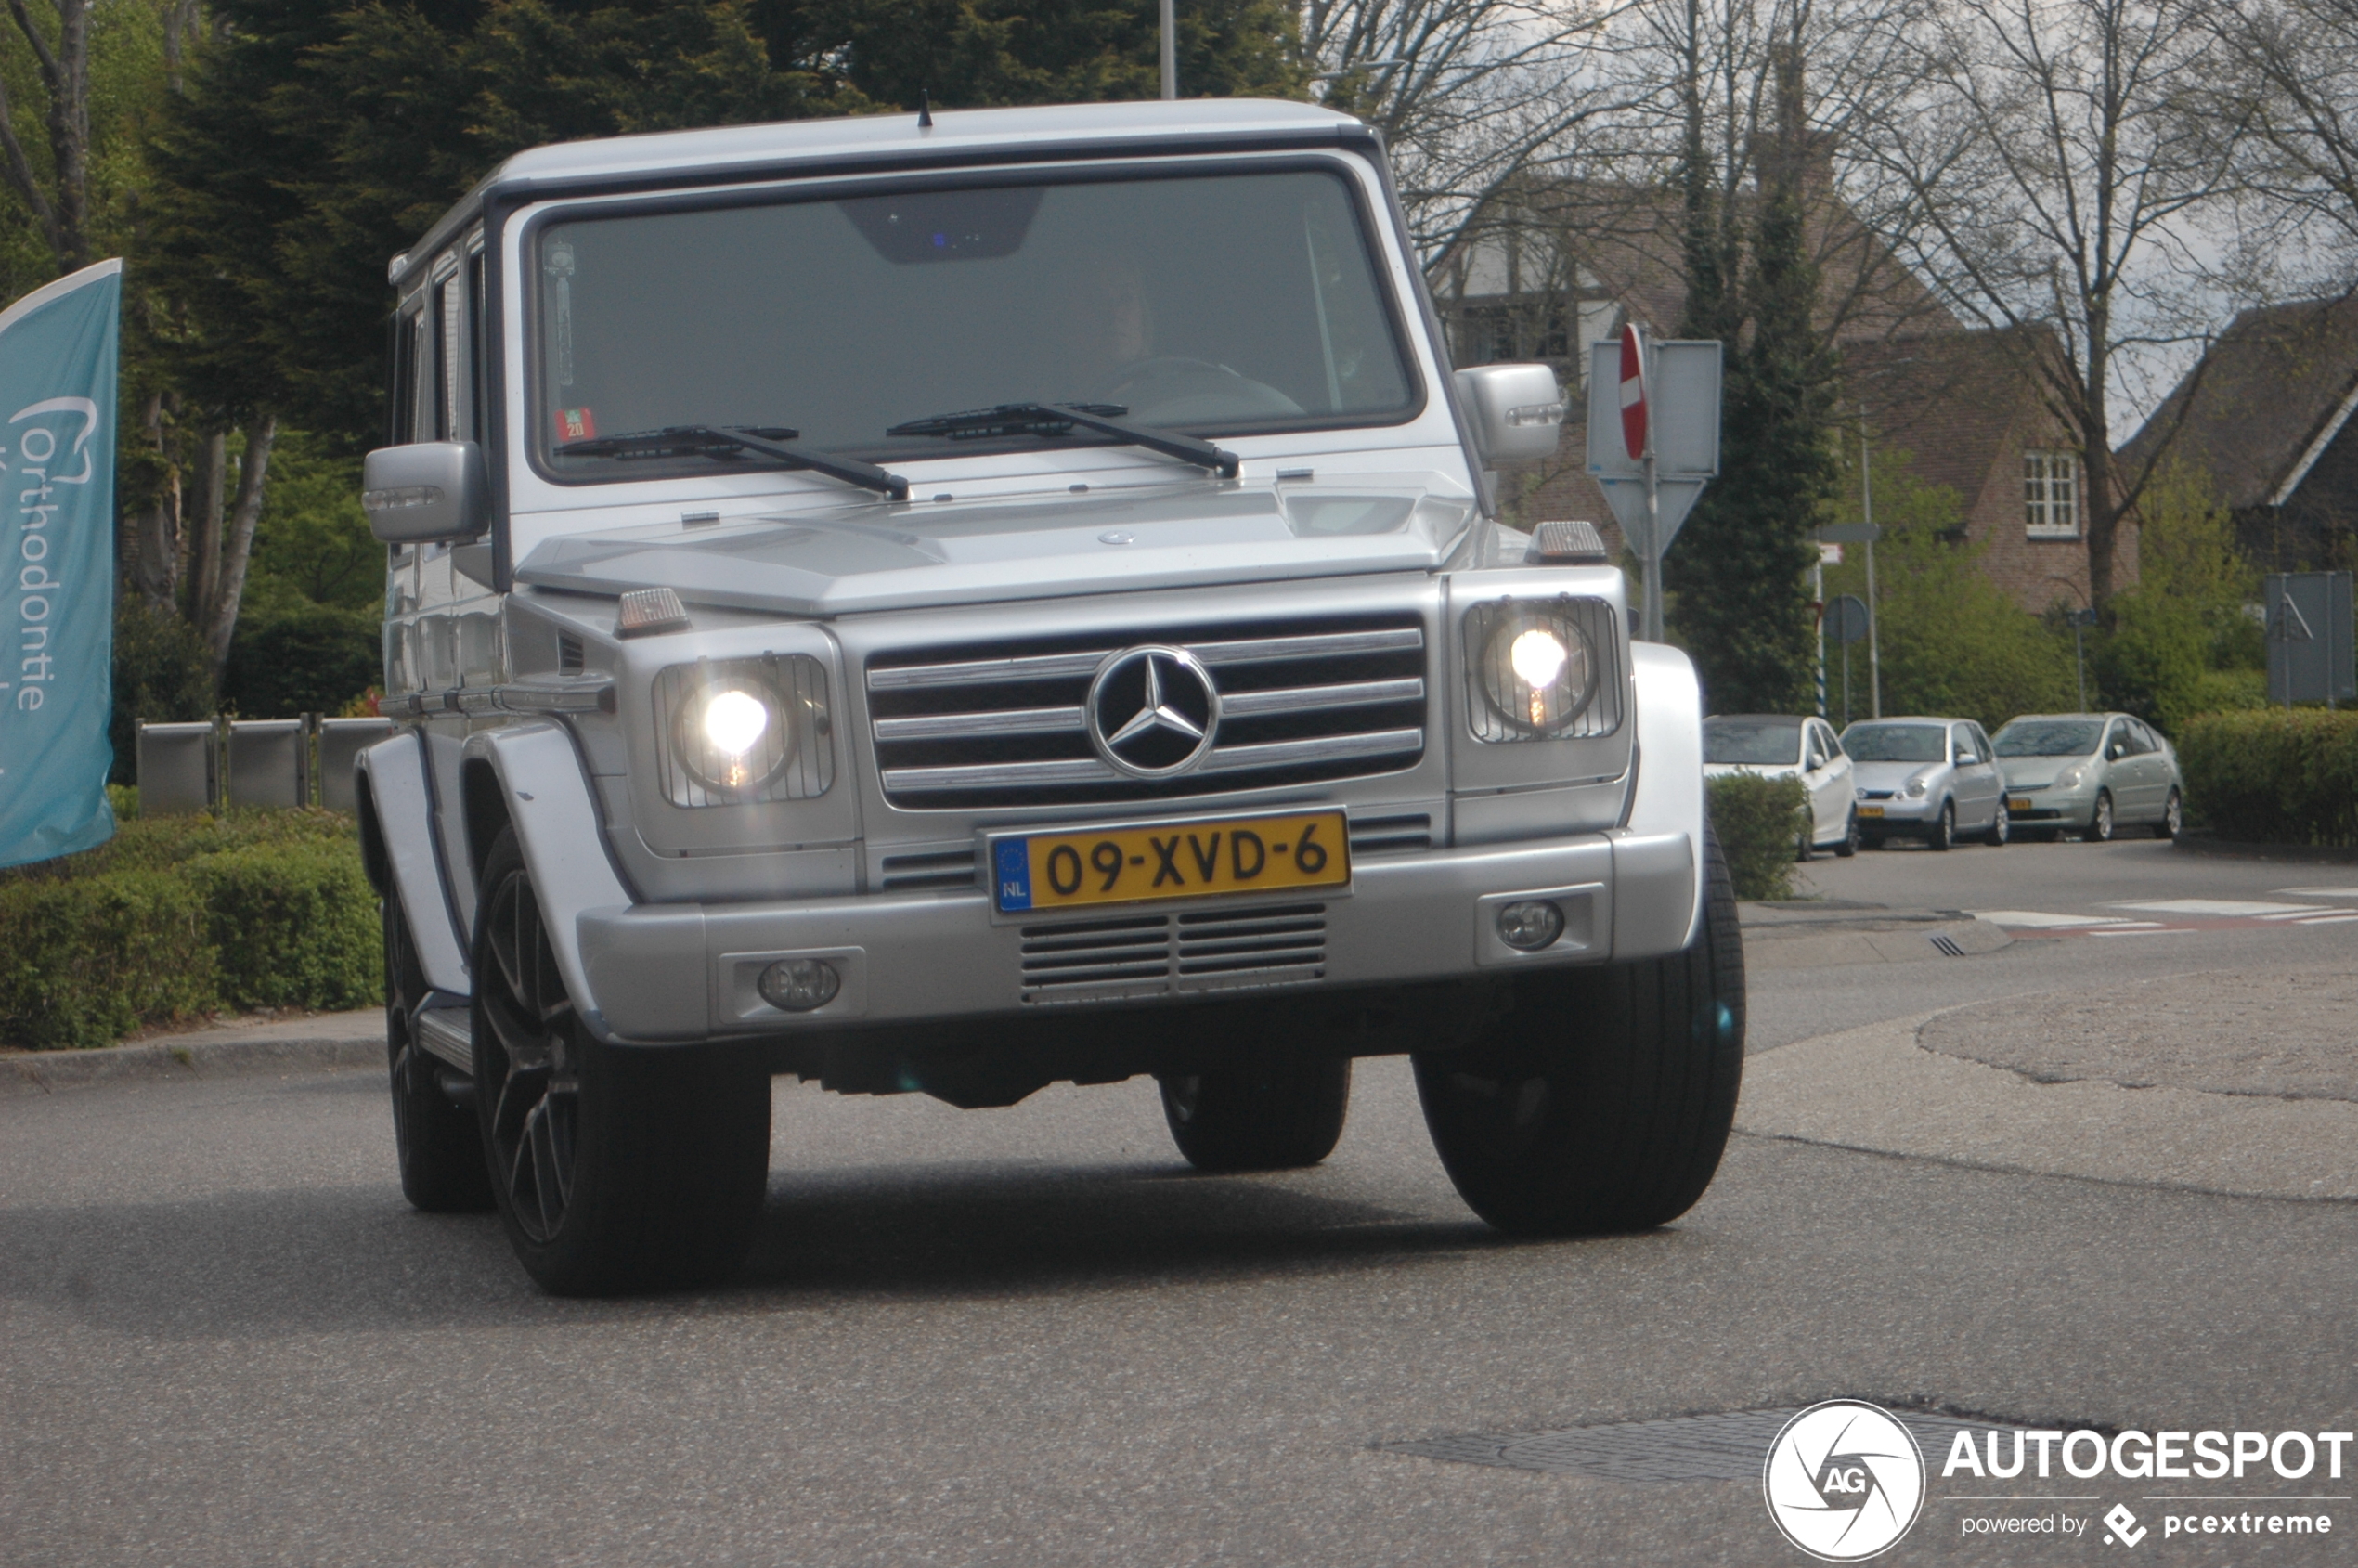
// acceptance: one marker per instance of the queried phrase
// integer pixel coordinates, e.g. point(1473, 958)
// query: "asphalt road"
point(1030, 1336)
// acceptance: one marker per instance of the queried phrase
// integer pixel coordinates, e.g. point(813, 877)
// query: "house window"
point(2050, 495)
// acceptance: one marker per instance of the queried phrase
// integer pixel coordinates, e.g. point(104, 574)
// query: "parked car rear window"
point(1896, 742)
point(1759, 743)
point(2049, 737)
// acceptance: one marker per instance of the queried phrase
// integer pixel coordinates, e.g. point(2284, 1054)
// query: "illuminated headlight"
point(741, 731)
point(1535, 669)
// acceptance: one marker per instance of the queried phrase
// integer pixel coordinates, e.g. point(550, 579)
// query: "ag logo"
point(1843, 1481)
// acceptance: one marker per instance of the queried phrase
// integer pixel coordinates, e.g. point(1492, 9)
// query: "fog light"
point(1530, 925)
point(797, 985)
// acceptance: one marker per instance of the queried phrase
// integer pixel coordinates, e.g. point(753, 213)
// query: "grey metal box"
point(2310, 657)
point(269, 762)
point(179, 769)
point(341, 744)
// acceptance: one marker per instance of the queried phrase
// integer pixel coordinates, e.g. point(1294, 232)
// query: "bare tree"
point(61, 203)
point(2053, 170)
point(2292, 85)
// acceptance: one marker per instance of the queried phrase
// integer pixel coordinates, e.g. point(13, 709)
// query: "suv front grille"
point(1149, 955)
point(1000, 723)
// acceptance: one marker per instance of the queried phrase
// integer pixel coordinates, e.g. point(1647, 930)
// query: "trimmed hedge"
point(1759, 822)
point(180, 917)
point(2273, 777)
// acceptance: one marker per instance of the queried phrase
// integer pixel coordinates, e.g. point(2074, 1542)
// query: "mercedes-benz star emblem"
point(1153, 711)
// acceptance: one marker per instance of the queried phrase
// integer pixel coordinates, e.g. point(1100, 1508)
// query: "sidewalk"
point(322, 1039)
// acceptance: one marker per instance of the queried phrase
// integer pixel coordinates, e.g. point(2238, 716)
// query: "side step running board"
point(448, 1034)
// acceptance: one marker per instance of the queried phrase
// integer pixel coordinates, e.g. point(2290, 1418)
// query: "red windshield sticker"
point(576, 424)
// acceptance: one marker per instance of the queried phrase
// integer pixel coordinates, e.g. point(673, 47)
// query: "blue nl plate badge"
point(1012, 867)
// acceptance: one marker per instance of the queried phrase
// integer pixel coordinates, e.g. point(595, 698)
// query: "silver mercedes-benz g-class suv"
point(960, 605)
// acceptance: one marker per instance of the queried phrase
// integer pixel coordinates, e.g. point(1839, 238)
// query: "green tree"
point(1739, 570)
point(2185, 621)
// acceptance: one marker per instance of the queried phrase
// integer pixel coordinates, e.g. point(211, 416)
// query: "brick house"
point(1567, 264)
point(2267, 416)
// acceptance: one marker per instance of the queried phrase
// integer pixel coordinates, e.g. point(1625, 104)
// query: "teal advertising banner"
point(58, 350)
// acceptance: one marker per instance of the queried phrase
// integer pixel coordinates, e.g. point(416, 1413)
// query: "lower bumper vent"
point(1153, 954)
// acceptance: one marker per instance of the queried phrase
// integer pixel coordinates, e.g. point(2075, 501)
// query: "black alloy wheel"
point(615, 1167)
point(435, 1140)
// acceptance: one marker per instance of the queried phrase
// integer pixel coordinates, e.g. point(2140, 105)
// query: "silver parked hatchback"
point(1932, 779)
point(2089, 774)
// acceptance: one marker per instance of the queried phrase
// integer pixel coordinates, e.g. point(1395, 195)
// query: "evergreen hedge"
point(181, 916)
point(2273, 776)
point(1759, 822)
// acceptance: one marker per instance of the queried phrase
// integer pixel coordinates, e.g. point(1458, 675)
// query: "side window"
point(478, 351)
point(1833, 742)
point(2140, 740)
point(2117, 735)
point(422, 360)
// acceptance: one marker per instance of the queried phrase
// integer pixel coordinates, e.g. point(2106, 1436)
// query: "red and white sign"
point(1633, 390)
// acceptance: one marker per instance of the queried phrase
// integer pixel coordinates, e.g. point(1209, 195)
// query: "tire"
point(1944, 827)
point(1602, 1101)
point(2173, 818)
point(2100, 821)
point(1280, 1115)
point(436, 1141)
point(616, 1169)
point(2001, 828)
point(1804, 851)
point(1848, 845)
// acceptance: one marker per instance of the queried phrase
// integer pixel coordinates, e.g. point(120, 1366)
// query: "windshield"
point(1209, 303)
point(2049, 737)
point(1762, 743)
point(1896, 742)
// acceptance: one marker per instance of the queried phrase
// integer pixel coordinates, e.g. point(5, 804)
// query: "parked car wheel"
point(1278, 1115)
point(2001, 828)
point(1602, 1101)
point(1848, 845)
point(2173, 818)
point(435, 1140)
point(2100, 824)
point(614, 1169)
point(1804, 851)
point(1944, 827)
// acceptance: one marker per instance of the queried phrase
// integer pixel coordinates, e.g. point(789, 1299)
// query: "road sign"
point(1633, 390)
point(1681, 404)
point(1847, 618)
point(1850, 533)
point(1830, 555)
point(2310, 659)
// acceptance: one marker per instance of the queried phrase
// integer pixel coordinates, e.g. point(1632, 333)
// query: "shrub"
point(162, 674)
point(1759, 821)
point(302, 658)
point(2273, 777)
point(177, 916)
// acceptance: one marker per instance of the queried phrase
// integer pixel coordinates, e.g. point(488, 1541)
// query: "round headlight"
point(732, 735)
point(1539, 672)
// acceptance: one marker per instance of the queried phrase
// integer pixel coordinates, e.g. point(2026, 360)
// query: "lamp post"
point(2081, 620)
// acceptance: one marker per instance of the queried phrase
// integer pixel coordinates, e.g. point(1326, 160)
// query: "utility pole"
point(1170, 49)
point(1874, 639)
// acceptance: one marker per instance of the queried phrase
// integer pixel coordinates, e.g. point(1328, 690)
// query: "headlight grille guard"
point(1594, 618)
point(795, 761)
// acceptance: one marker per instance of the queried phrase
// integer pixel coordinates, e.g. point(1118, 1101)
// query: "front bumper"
point(665, 973)
point(1901, 816)
point(2052, 808)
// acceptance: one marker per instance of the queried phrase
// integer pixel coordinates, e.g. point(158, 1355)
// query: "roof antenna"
point(924, 110)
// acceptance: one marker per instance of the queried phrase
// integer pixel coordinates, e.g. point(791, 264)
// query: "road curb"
point(1876, 1089)
point(187, 1058)
point(2315, 854)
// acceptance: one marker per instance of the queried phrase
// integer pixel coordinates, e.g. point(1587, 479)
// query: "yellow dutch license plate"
point(1150, 864)
point(1871, 811)
point(2017, 808)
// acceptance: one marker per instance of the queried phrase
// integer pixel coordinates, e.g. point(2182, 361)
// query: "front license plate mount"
point(1248, 856)
point(1871, 811)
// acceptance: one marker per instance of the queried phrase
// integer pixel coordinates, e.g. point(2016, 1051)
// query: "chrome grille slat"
point(1008, 721)
point(1260, 649)
point(1295, 699)
point(1223, 759)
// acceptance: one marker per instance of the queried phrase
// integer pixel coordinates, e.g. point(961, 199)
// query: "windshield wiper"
point(768, 441)
point(1041, 419)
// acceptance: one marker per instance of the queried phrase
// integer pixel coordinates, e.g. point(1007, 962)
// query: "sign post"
point(1654, 442)
point(58, 349)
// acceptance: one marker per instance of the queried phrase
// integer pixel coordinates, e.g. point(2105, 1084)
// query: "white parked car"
point(1778, 746)
point(1932, 779)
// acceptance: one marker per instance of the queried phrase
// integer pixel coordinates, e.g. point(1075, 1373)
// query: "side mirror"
point(2115, 752)
point(426, 493)
point(1517, 412)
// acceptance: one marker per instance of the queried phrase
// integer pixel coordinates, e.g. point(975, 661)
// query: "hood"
point(1888, 775)
point(894, 557)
